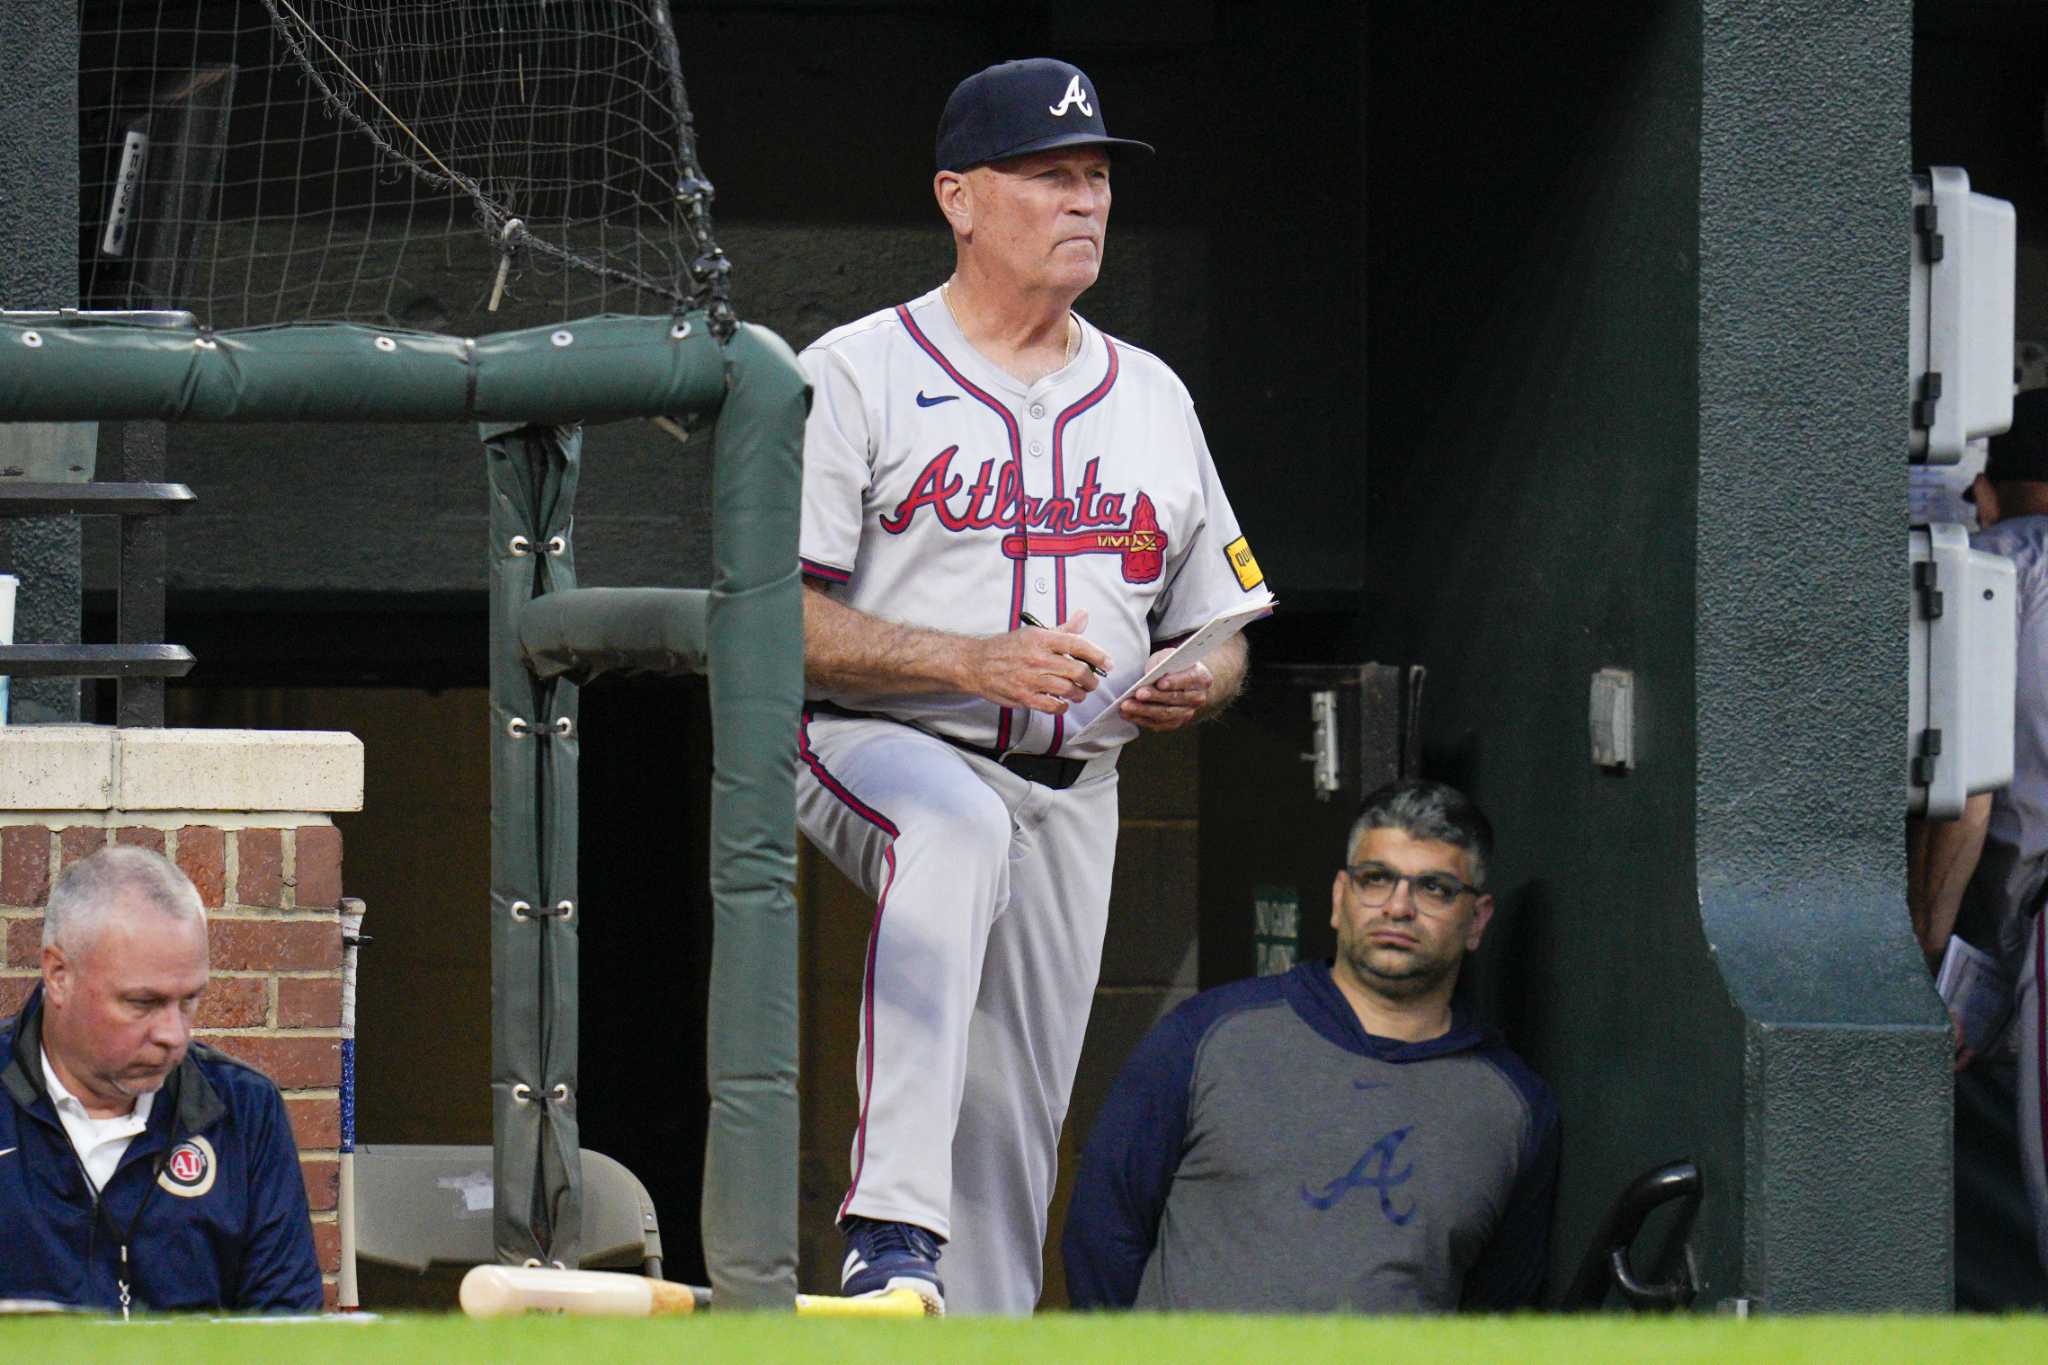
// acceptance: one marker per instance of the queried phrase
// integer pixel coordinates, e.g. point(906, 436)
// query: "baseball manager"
point(1006, 514)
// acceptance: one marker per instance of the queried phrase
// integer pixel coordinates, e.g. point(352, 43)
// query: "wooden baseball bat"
point(496, 1291)
point(890, 1303)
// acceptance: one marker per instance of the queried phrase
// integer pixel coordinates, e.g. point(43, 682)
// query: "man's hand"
point(1040, 670)
point(1172, 702)
point(1190, 694)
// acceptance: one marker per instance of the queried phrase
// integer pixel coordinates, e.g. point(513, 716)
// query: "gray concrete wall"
point(39, 269)
point(1801, 654)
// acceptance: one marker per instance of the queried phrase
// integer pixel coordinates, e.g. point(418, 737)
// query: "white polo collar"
point(72, 1109)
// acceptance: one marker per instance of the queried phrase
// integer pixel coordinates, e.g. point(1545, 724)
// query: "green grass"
point(1056, 1338)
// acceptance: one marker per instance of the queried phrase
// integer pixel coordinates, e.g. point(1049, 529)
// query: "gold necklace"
point(1073, 326)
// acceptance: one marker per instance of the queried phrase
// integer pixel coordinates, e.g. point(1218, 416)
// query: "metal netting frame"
point(709, 270)
point(529, 392)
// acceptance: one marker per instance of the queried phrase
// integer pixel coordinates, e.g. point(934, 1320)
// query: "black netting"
point(389, 161)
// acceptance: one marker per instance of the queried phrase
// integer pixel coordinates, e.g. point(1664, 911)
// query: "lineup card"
point(1190, 652)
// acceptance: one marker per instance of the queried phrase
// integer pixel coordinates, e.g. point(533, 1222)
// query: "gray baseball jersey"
point(942, 492)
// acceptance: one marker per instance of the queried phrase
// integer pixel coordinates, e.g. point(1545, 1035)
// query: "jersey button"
point(1037, 448)
point(1041, 585)
point(1038, 409)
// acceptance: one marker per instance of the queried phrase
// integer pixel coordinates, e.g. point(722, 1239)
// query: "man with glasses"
point(1341, 1137)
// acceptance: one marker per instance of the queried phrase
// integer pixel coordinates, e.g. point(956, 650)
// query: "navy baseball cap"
point(1015, 108)
point(2021, 454)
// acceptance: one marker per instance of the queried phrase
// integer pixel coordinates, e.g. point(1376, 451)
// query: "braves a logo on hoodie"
point(1090, 522)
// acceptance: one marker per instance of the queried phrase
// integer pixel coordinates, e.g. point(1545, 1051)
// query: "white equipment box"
point(1960, 356)
point(1964, 664)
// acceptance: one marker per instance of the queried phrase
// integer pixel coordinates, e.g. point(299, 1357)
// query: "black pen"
point(1032, 621)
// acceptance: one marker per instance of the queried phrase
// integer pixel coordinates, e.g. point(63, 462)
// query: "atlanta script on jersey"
point(940, 491)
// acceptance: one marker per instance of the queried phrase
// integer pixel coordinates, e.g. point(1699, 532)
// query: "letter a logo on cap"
point(1075, 95)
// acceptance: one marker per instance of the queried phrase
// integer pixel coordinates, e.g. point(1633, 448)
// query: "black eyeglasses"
point(1432, 892)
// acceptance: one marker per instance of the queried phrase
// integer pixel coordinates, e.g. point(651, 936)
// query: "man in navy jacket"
point(1339, 1137)
point(140, 1171)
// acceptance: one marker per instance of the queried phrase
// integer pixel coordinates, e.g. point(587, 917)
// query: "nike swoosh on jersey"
point(925, 402)
point(8, 1151)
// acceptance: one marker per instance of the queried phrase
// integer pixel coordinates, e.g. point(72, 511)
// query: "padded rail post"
point(535, 1163)
point(755, 633)
point(586, 632)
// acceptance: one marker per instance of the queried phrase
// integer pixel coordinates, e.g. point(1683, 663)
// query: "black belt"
point(1044, 769)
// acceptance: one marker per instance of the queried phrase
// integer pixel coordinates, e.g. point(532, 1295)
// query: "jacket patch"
point(190, 1168)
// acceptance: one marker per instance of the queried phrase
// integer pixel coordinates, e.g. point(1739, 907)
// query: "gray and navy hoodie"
point(1262, 1152)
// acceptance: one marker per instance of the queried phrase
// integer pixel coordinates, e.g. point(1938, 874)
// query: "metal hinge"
point(1929, 399)
point(1930, 750)
point(1927, 582)
point(1927, 223)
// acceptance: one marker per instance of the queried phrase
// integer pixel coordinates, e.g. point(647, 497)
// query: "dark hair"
point(1428, 810)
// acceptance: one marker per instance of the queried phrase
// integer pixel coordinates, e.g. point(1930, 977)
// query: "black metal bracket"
point(93, 499)
point(1606, 1265)
point(1927, 582)
point(95, 661)
point(1927, 224)
point(1930, 398)
point(1930, 751)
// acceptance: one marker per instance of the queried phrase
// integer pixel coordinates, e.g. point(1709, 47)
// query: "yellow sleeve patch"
point(1243, 565)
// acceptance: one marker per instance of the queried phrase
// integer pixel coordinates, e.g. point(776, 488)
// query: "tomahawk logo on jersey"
point(1092, 489)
